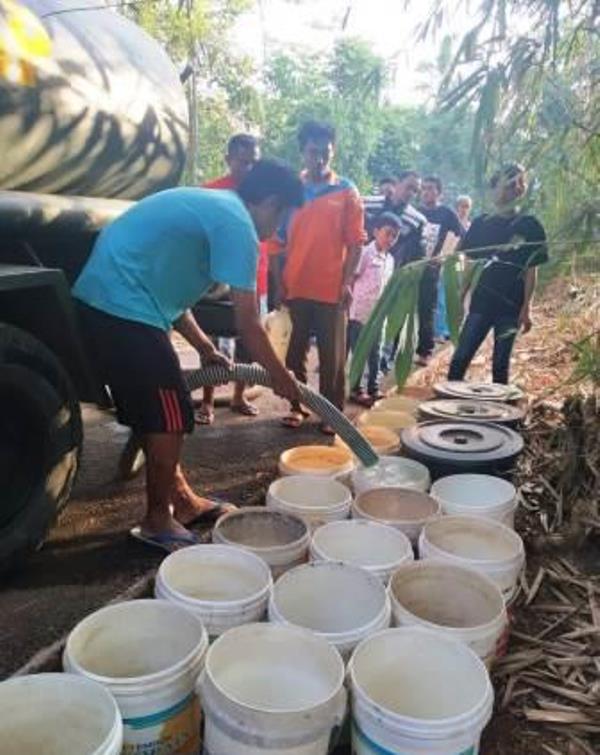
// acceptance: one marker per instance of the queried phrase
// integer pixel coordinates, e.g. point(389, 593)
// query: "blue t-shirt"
point(159, 257)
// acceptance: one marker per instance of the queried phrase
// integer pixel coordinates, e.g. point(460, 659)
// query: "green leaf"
point(452, 289)
point(472, 275)
point(406, 351)
point(373, 327)
point(403, 304)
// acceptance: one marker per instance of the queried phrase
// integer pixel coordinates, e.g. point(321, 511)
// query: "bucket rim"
point(500, 619)
point(473, 478)
point(217, 606)
point(353, 523)
point(344, 466)
point(155, 679)
point(306, 634)
point(308, 511)
point(329, 479)
point(483, 709)
point(344, 636)
point(507, 531)
point(481, 511)
point(301, 541)
point(113, 734)
point(391, 459)
point(395, 522)
point(340, 640)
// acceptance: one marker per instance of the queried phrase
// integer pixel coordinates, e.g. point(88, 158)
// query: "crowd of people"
point(269, 237)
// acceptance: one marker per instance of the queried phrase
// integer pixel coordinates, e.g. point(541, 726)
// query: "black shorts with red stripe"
point(141, 368)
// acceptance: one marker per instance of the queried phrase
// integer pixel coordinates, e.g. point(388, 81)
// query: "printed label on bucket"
point(362, 745)
point(175, 731)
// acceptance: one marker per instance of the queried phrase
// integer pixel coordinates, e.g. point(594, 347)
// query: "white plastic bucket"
point(390, 472)
point(319, 461)
point(316, 500)
point(396, 421)
point(398, 404)
point(222, 585)
point(485, 545)
point(375, 547)
point(383, 440)
point(406, 510)
point(341, 603)
point(477, 495)
point(149, 654)
point(416, 693)
point(271, 689)
point(281, 540)
point(278, 326)
point(54, 714)
point(453, 601)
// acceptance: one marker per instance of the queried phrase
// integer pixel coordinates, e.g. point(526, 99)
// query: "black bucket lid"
point(462, 443)
point(466, 410)
point(464, 389)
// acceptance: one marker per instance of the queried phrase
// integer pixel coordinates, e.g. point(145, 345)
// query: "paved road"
point(89, 559)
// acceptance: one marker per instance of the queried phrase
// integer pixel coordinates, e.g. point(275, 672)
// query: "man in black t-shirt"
point(411, 243)
point(513, 244)
point(441, 220)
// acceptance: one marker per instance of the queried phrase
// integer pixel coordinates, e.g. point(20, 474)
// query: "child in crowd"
point(372, 274)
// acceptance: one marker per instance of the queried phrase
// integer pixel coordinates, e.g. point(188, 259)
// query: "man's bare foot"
point(189, 507)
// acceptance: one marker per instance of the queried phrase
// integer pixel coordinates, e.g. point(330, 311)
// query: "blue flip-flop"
point(164, 541)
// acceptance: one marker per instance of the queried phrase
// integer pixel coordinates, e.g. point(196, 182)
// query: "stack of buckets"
point(334, 571)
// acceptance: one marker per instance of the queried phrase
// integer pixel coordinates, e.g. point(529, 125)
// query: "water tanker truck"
point(92, 116)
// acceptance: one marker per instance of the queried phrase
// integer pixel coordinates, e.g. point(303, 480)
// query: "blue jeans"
point(388, 355)
point(441, 313)
point(354, 328)
point(473, 333)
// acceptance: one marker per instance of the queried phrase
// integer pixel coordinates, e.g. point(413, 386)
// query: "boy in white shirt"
point(373, 272)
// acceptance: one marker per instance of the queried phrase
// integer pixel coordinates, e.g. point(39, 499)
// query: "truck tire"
point(40, 443)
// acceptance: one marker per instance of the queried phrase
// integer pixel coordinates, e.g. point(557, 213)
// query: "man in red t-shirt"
point(243, 151)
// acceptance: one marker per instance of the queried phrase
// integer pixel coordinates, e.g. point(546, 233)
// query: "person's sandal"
point(245, 409)
point(204, 416)
point(164, 541)
point(326, 429)
point(293, 420)
point(360, 398)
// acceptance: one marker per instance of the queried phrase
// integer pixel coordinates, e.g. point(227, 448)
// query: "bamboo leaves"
point(452, 289)
point(396, 313)
point(396, 310)
point(405, 301)
point(406, 348)
point(373, 327)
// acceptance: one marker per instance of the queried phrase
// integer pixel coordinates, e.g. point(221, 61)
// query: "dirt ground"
point(558, 610)
point(89, 559)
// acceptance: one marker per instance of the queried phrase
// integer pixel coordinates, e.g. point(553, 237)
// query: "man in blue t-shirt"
point(147, 269)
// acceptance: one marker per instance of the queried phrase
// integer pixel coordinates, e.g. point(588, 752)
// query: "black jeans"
point(353, 332)
point(473, 333)
point(428, 296)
